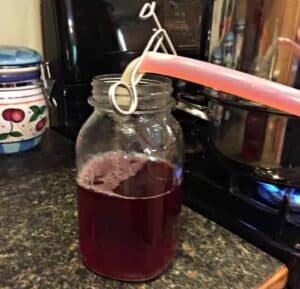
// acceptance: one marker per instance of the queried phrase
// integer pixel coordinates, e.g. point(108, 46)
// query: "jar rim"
point(150, 80)
point(154, 92)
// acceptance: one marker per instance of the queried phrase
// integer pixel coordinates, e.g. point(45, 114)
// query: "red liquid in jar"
point(130, 234)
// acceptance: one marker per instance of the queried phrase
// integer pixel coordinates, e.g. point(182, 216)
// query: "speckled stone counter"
point(38, 234)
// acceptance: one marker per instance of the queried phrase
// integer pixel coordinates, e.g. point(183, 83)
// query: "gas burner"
point(294, 200)
point(274, 195)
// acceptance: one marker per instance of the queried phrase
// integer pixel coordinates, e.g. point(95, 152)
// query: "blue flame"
point(270, 188)
point(274, 195)
point(295, 199)
point(271, 193)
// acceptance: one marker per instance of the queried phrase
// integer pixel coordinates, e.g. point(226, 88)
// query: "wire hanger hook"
point(159, 40)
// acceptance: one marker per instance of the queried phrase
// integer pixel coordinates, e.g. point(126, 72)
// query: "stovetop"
point(263, 213)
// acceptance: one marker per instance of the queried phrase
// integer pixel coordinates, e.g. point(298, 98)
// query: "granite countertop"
point(38, 234)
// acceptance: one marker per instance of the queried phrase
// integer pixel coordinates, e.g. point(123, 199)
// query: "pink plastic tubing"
point(247, 86)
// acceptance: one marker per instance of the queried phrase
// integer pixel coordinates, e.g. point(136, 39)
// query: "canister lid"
point(18, 56)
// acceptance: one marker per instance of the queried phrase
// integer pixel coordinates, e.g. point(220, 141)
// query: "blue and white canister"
point(23, 105)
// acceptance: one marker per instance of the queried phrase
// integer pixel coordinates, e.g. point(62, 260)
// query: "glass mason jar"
point(129, 174)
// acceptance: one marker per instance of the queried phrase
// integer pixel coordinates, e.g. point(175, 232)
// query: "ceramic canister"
point(23, 106)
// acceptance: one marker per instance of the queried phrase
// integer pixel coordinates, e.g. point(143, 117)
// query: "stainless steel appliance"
point(254, 135)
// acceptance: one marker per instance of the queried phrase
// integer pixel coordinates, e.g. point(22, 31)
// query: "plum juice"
point(128, 208)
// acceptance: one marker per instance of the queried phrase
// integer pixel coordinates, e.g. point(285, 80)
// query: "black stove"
point(267, 214)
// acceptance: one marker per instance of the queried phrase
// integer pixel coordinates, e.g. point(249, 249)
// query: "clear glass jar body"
point(129, 173)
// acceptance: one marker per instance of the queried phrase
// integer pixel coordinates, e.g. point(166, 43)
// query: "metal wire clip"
point(159, 40)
